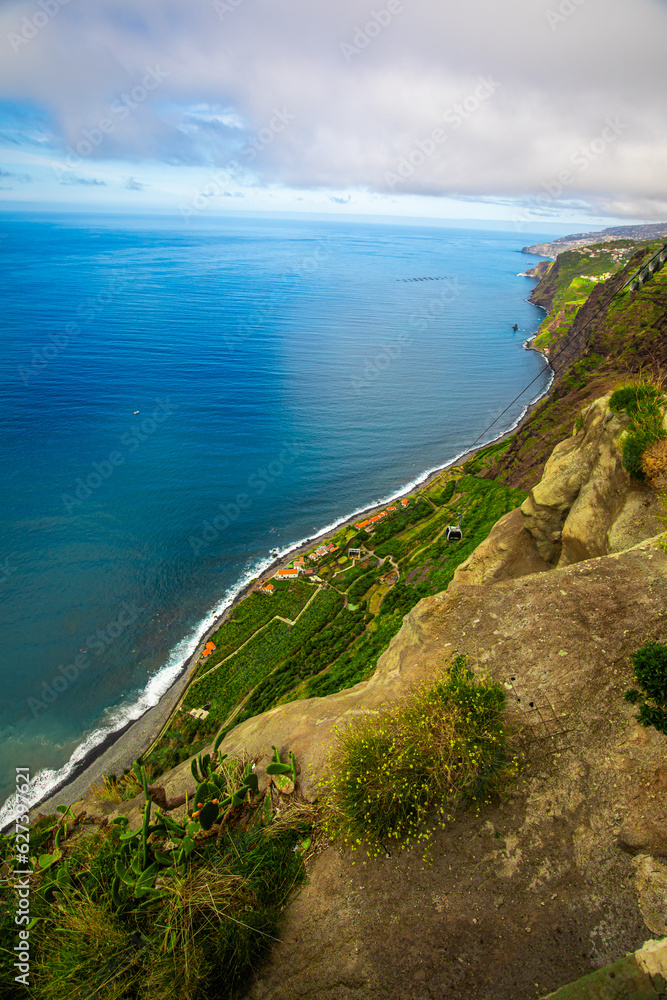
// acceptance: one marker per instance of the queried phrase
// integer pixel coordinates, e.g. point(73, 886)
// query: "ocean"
point(178, 400)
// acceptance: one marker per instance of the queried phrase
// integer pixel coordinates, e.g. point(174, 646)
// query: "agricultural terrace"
point(311, 639)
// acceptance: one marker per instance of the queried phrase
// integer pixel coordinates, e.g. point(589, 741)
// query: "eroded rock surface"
point(536, 891)
point(584, 506)
point(651, 882)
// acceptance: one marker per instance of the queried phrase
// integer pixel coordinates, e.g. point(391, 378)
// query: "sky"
point(534, 112)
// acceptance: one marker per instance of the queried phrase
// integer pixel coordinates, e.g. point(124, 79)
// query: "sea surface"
point(177, 400)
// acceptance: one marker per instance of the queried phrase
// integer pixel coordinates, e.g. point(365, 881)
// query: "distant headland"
point(652, 231)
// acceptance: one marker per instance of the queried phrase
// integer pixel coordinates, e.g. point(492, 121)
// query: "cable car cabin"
point(454, 532)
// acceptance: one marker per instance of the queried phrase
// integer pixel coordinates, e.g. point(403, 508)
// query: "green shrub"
point(641, 402)
point(388, 773)
point(650, 663)
point(631, 397)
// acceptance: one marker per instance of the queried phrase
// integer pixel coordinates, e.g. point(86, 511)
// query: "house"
point(308, 572)
point(287, 574)
point(405, 502)
point(267, 588)
point(299, 562)
point(391, 508)
point(354, 552)
point(362, 524)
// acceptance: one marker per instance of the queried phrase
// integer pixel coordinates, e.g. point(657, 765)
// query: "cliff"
point(596, 336)
point(567, 872)
point(542, 888)
point(564, 875)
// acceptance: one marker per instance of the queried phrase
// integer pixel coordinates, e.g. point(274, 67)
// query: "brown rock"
point(651, 882)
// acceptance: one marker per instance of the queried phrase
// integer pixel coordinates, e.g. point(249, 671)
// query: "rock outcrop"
point(538, 889)
point(584, 506)
point(651, 882)
point(554, 881)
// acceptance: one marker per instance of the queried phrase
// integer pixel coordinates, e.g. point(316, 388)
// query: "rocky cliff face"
point(541, 889)
point(584, 506)
point(563, 876)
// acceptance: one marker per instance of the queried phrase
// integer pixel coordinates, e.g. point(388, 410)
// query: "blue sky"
point(534, 112)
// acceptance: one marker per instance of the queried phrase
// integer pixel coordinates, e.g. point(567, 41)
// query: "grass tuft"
point(642, 402)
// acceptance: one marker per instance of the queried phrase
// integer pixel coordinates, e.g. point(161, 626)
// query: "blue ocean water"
point(176, 401)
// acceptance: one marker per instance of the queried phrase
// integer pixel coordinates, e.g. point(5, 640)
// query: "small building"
point(287, 574)
point(354, 552)
point(390, 508)
point(299, 562)
point(198, 713)
point(405, 502)
point(267, 588)
point(362, 524)
point(334, 548)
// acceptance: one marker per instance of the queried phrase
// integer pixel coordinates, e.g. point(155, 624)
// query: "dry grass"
point(116, 789)
point(654, 464)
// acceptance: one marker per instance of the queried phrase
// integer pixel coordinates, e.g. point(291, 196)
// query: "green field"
point(333, 646)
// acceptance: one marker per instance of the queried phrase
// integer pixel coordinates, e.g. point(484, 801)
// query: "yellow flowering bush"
point(391, 772)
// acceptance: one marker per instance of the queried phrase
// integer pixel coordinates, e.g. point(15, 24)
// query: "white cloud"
point(353, 116)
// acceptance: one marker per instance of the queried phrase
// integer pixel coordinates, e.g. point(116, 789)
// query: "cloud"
point(339, 200)
point(69, 178)
point(133, 185)
point(341, 96)
point(23, 178)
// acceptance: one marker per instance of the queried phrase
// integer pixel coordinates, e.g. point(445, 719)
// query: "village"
point(301, 566)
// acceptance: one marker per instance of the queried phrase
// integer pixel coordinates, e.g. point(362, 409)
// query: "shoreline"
point(118, 750)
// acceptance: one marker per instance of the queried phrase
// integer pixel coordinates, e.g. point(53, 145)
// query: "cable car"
point(454, 532)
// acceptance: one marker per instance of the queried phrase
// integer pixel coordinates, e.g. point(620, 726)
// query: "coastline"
point(119, 749)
